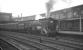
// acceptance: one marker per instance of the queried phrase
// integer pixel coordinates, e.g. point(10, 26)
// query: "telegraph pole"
point(21, 17)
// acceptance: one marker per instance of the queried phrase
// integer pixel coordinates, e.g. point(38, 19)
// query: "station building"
point(5, 17)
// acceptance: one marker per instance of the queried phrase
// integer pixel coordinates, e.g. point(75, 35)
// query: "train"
point(45, 26)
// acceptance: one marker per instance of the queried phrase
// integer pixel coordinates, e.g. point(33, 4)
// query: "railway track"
point(67, 40)
point(6, 46)
point(45, 42)
point(16, 43)
point(35, 44)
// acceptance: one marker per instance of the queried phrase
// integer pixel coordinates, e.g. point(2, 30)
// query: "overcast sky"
point(31, 7)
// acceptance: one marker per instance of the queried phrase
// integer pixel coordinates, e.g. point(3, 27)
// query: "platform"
point(71, 32)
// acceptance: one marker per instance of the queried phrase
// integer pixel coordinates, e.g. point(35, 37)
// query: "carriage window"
point(51, 21)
